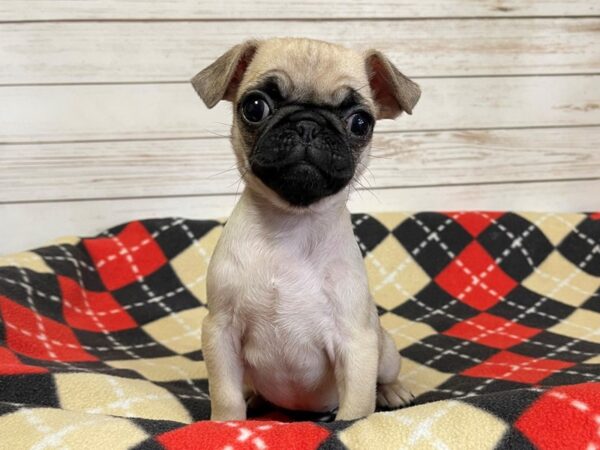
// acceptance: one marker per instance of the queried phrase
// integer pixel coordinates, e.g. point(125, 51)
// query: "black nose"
point(307, 129)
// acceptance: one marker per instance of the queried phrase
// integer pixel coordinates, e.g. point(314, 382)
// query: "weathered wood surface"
point(174, 51)
point(27, 10)
point(99, 125)
point(109, 112)
point(38, 172)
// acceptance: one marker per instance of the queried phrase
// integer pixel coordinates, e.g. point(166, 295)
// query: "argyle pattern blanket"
point(497, 316)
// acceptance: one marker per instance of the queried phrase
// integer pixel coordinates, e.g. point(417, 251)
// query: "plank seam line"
point(299, 19)
point(414, 77)
point(223, 136)
point(372, 190)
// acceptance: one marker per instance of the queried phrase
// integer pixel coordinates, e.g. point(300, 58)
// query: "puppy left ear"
point(220, 80)
point(392, 91)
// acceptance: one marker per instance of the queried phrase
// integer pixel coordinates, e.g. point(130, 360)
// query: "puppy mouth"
point(300, 184)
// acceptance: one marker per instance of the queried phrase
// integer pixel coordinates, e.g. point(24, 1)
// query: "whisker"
point(381, 157)
point(242, 175)
point(214, 133)
point(234, 167)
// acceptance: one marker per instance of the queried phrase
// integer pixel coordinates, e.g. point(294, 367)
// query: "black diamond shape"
point(504, 399)
point(198, 407)
point(24, 286)
point(514, 439)
point(154, 427)
point(433, 396)
point(593, 303)
point(31, 389)
point(130, 344)
point(175, 235)
point(581, 246)
point(482, 386)
point(368, 231)
point(430, 306)
point(531, 309)
point(73, 262)
point(456, 355)
point(79, 366)
point(581, 373)
point(556, 346)
point(429, 237)
point(381, 310)
point(195, 355)
point(8, 408)
point(519, 245)
point(166, 294)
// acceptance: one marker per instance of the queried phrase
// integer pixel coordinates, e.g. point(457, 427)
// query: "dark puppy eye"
point(255, 108)
point(359, 123)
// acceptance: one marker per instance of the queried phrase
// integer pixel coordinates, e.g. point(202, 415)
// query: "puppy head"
point(304, 113)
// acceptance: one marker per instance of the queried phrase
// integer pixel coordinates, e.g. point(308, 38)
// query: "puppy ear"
point(221, 79)
point(392, 91)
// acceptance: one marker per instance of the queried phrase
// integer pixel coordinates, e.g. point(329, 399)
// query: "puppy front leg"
point(356, 375)
point(221, 349)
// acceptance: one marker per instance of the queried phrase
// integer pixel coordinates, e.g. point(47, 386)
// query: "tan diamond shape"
point(57, 428)
point(419, 379)
point(26, 260)
point(107, 394)
point(582, 324)
point(391, 219)
point(444, 424)
point(169, 331)
point(554, 226)
point(393, 274)
point(191, 264)
point(560, 279)
point(593, 360)
point(405, 332)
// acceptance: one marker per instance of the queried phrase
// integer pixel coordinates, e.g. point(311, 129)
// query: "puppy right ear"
point(220, 80)
point(393, 92)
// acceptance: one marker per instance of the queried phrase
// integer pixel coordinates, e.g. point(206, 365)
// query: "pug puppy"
point(290, 313)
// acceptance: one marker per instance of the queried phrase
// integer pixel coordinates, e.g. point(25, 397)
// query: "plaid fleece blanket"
point(497, 316)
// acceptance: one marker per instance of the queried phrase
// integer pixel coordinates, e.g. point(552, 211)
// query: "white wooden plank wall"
point(98, 122)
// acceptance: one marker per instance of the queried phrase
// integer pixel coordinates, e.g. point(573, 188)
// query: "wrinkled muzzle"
point(303, 157)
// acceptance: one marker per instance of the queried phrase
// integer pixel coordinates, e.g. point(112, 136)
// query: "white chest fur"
point(281, 280)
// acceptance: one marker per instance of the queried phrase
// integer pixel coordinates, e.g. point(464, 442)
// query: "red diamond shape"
point(119, 265)
point(522, 369)
point(567, 416)
point(492, 331)
point(246, 435)
point(475, 222)
point(92, 311)
point(595, 216)
point(54, 342)
point(11, 365)
point(464, 276)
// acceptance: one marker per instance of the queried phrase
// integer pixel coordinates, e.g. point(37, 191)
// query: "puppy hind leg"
point(391, 393)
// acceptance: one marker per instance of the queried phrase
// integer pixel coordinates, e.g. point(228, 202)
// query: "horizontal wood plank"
point(175, 51)
point(38, 172)
point(100, 112)
point(312, 9)
point(30, 225)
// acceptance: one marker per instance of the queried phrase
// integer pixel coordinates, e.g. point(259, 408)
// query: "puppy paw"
point(393, 395)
